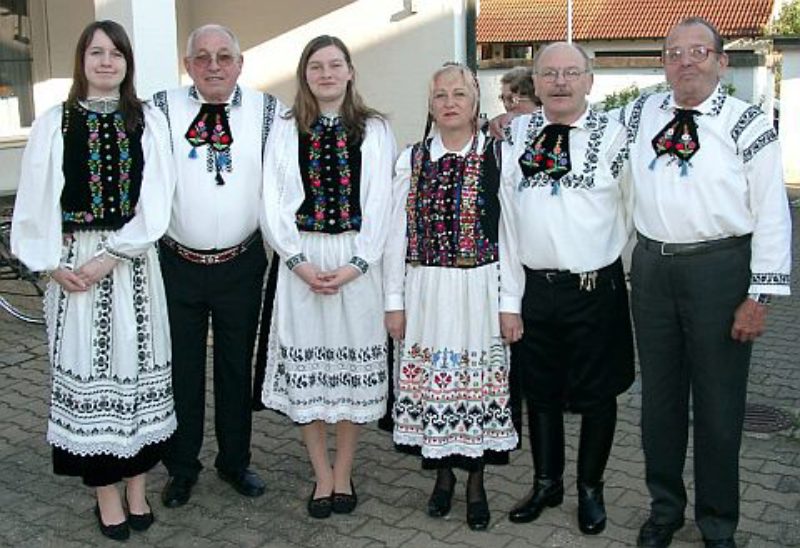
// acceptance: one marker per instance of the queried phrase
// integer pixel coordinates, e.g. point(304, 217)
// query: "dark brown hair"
point(354, 113)
point(129, 105)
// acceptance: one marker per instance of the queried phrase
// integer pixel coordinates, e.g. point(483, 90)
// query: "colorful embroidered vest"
point(453, 208)
point(330, 165)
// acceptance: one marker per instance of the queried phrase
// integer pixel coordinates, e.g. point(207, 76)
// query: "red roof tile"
point(545, 20)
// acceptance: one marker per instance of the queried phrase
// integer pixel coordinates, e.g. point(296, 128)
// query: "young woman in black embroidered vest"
point(94, 194)
point(443, 299)
point(327, 194)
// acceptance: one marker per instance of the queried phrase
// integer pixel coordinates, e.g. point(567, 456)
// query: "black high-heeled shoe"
point(139, 522)
point(441, 499)
point(118, 531)
point(478, 515)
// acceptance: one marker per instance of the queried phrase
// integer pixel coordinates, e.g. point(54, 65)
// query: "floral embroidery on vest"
point(445, 211)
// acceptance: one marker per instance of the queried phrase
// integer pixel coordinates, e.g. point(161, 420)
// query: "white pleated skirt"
point(110, 357)
point(451, 374)
point(326, 355)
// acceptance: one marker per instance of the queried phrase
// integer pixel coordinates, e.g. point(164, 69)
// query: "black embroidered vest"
point(102, 169)
point(330, 165)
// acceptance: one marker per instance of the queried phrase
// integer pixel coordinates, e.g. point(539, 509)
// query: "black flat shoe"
point(478, 515)
point(246, 482)
point(320, 508)
point(344, 503)
point(118, 531)
point(546, 493)
point(657, 535)
point(177, 491)
point(441, 499)
point(591, 509)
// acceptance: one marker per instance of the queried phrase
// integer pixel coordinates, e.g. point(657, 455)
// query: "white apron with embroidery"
point(110, 357)
point(326, 355)
point(452, 372)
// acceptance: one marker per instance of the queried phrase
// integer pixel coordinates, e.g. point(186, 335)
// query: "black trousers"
point(576, 353)
point(230, 294)
point(683, 309)
point(577, 347)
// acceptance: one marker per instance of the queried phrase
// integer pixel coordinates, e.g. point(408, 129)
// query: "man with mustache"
point(713, 244)
point(565, 203)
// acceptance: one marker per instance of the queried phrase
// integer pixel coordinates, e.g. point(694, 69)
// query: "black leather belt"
point(692, 248)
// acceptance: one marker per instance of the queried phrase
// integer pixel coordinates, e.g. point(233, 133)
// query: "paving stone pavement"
point(40, 509)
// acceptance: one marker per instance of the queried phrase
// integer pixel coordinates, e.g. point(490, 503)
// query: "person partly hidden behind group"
point(493, 264)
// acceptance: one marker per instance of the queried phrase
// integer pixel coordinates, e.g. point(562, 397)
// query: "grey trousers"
point(683, 308)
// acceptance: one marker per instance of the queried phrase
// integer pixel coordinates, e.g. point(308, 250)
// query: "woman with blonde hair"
point(443, 298)
point(327, 192)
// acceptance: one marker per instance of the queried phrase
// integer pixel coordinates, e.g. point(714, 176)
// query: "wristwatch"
point(760, 298)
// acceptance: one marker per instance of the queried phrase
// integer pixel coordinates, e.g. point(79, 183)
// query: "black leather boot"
point(547, 445)
point(597, 436)
point(546, 493)
point(591, 508)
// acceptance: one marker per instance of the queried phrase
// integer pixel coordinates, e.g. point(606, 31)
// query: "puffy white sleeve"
point(152, 213)
point(394, 254)
point(283, 191)
point(512, 274)
point(378, 154)
point(36, 224)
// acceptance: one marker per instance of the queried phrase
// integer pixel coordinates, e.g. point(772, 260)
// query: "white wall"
point(393, 60)
point(790, 115)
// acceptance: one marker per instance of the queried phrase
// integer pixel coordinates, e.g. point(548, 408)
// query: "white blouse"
point(284, 194)
point(36, 226)
point(732, 187)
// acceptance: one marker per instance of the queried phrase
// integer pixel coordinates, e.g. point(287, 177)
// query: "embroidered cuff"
point(103, 247)
point(295, 260)
point(360, 264)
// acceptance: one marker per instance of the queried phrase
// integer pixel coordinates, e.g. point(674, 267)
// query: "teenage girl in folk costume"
point(95, 194)
point(327, 195)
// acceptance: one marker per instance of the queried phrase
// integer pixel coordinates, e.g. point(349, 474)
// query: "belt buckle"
point(664, 252)
point(550, 276)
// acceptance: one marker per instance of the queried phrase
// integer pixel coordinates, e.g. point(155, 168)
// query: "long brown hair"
point(129, 105)
point(354, 113)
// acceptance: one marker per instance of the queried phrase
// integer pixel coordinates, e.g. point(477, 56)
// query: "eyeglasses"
point(224, 59)
point(512, 99)
point(696, 54)
point(569, 74)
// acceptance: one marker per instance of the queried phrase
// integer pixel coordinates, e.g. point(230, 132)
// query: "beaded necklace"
point(342, 168)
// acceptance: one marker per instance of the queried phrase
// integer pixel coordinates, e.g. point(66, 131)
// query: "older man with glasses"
point(213, 258)
point(713, 244)
point(565, 202)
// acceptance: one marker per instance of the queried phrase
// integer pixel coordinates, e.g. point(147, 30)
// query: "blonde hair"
point(471, 83)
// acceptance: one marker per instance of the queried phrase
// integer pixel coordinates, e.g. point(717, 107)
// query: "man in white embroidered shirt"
point(713, 243)
point(212, 256)
point(565, 205)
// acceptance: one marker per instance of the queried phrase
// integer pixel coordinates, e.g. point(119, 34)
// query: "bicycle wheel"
point(21, 290)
